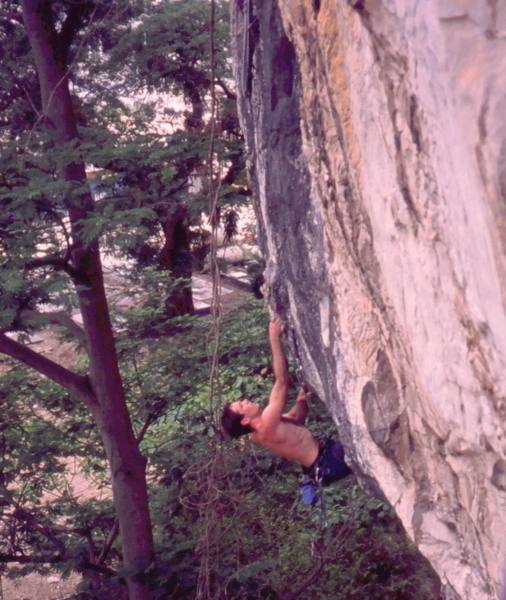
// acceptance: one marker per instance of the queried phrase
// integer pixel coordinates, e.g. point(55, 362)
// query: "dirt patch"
point(38, 587)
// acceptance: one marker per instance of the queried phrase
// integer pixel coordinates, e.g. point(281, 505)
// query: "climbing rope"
point(210, 473)
point(321, 498)
point(214, 187)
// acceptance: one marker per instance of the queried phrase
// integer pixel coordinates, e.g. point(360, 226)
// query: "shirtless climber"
point(285, 434)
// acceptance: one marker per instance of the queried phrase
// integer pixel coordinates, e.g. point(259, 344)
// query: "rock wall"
point(377, 155)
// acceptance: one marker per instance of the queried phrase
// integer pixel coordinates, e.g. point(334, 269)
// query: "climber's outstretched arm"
point(271, 416)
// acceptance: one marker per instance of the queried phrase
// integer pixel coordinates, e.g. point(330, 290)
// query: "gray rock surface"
point(377, 155)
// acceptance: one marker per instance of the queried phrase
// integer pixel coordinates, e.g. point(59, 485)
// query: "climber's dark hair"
point(231, 422)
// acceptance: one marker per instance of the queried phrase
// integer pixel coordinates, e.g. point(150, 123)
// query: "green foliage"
point(171, 45)
point(31, 221)
point(163, 167)
point(44, 437)
point(147, 162)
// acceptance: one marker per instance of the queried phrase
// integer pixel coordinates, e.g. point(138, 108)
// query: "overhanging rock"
point(377, 154)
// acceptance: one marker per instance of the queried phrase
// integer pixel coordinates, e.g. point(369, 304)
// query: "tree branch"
point(26, 560)
point(75, 18)
point(76, 384)
point(145, 427)
point(91, 547)
point(54, 318)
point(113, 533)
point(60, 264)
point(99, 569)
point(54, 559)
point(235, 169)
point(21, 514)
point(228, 93)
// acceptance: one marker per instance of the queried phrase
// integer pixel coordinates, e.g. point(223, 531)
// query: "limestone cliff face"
point(377, 145)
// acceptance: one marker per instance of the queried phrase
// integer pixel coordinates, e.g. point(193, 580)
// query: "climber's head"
point(238, 418)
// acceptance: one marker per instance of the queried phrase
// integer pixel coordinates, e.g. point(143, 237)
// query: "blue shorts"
point(329, 463)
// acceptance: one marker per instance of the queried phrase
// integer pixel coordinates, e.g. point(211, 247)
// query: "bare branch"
point(145, 427)
point(228, 93)
point(75, 383)
point(113, 533)
point(53, 559)
point(100, 569)
point(179, 187)
point(76, 16)
point(91, 547)
point(55, 318)
point(66, 233)
point(21, 514)
point(60, 264)
point(26, 560)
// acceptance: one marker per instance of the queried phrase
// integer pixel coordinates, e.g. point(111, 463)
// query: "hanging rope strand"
point(210, 474)
point(214, 185)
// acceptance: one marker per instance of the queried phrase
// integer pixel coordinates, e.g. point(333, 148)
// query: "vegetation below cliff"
point(224, 512)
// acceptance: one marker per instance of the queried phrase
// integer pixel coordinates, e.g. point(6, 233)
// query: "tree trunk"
point(176, 258)
point(109, 411)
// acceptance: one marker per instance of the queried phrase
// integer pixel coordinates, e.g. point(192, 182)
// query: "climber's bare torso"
point(289, 440)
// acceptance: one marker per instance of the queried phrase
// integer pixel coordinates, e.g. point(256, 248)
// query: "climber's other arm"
point(299, 410)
